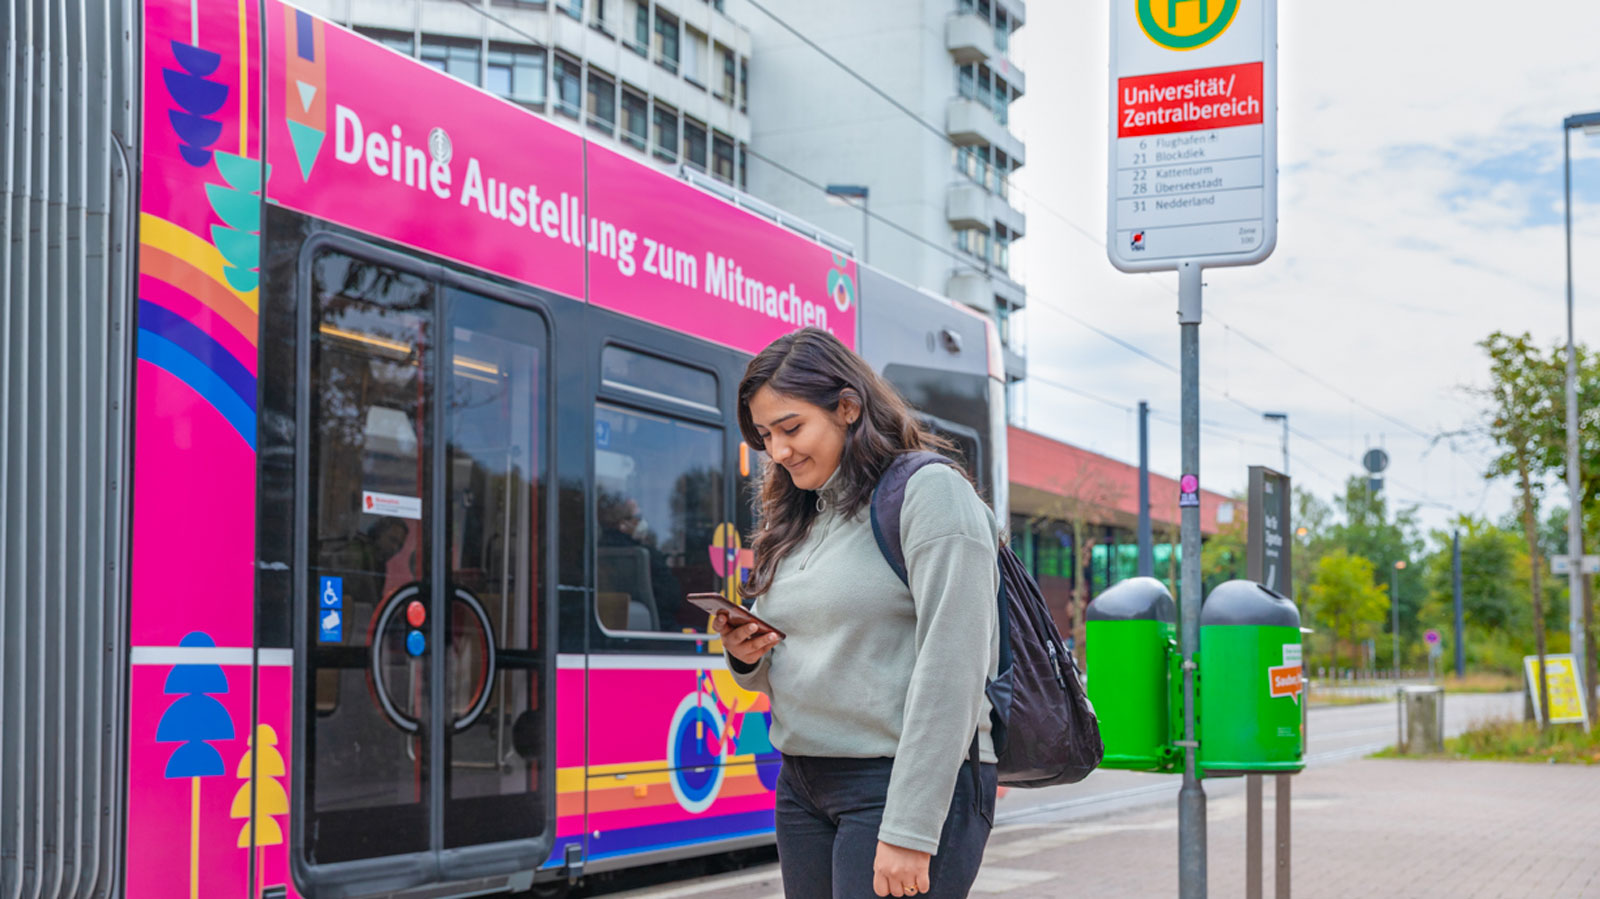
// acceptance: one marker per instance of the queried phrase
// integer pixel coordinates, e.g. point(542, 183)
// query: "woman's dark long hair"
point(814, 366)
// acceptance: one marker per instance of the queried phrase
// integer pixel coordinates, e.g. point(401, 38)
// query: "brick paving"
point(1394, 828)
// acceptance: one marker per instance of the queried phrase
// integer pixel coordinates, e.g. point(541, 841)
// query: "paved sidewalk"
point(1364, 828)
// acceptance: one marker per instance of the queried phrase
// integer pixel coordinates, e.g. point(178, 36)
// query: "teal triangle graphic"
point(307, 142)
point(308, 92)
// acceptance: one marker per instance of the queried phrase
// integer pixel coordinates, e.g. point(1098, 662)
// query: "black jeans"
point(828, 814)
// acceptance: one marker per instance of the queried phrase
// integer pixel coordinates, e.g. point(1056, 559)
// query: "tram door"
point(426, 692)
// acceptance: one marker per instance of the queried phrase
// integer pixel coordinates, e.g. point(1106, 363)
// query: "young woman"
point(878, 689)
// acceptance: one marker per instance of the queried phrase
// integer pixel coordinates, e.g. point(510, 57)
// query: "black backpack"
point(1043, 726)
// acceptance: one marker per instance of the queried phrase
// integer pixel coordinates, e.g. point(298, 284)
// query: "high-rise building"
point(663, 80)
point(935, 164)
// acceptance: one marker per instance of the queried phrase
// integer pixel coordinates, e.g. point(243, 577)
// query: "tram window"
point(658, 501)
point(644, 375)
point(495, 407)
point(367, 535)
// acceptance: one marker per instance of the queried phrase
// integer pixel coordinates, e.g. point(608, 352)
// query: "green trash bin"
point(1131, 648)
point(1250, 682)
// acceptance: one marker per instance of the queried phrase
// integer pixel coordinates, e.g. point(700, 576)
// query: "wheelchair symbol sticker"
point(331, 591)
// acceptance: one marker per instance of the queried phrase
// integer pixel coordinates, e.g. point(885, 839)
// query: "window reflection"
point(659, 492)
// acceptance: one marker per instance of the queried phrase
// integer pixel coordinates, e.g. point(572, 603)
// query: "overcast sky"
point(1420, 209)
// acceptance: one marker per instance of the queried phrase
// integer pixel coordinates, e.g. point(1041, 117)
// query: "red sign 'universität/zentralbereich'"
point(1192, 100)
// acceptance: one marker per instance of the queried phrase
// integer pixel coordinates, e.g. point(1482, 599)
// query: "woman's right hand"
point(743, 643)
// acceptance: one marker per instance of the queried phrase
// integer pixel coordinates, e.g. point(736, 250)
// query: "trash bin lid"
point(1247, 602)
point(1135, 599)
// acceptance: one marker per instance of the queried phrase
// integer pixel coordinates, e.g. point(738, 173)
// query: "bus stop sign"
point(1194, 122)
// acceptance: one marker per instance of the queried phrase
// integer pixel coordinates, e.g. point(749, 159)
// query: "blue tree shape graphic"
point(192, 720)
point(195, 718)
point(198, 97)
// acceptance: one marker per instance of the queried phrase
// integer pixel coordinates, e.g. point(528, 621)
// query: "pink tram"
point(429, 427)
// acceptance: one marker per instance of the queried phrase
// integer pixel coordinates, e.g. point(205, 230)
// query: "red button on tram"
point(416, 613)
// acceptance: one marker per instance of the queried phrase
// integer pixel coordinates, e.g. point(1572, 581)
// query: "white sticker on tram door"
point(391, 504)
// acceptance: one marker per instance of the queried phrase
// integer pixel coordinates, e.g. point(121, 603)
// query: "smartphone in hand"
point(738, 616)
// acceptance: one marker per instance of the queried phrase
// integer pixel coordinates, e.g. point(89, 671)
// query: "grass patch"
point(1482, 682)
point(1517, 741)
point(1318, 699)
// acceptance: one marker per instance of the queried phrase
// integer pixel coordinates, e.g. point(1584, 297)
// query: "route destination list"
point(1190, 163)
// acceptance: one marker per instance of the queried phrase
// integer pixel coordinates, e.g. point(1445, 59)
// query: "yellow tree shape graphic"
point(271, 800)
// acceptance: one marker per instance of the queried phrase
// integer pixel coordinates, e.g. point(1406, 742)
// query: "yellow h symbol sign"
point(1172, 11)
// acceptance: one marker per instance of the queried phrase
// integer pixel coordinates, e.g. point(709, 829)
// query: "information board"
point(1267, 546)
point(1562, 680)
point(1193, 154)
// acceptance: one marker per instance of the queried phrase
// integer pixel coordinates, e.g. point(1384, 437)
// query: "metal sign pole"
point(1192, 796)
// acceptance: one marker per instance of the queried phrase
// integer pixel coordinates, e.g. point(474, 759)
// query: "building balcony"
point(1016, 364)
point(970, 205)
point(978, 288)
point(969, 37)
point(969, 122)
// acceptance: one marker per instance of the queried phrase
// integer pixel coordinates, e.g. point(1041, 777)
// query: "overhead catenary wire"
point(1074, 226)
point(1097, 240)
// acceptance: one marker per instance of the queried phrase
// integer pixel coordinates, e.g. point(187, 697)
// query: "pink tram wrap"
point(432, 429)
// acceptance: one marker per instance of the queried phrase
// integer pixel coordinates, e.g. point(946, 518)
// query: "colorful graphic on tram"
point(651, 752)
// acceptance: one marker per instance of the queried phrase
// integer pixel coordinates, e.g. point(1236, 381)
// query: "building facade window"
point(744, 84)
point(967, 80)
point(1001, 247)
point(694, 57)
point(635, 119)
point(665, 120)
point(453, 57)
point(1002, 100)
point(641, 29)
point(730, 75)
point(602, 102)
point(973, 241)
point(694, 144)
point(744, 167)
point(516, 73)
point(1002, 172)
point(568, 86)
point(722, 157)
point(573, 8)
point(399, 41)
point(667, 41)
point(597, 16)
point(1002, 31)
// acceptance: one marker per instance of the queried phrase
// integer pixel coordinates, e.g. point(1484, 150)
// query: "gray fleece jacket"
point(871, 669)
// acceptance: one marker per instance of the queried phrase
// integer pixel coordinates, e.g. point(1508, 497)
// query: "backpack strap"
point(888, 497)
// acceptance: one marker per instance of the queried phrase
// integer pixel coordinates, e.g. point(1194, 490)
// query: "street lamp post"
point(1394, 614)
point(851, 192)
point(1590, 123)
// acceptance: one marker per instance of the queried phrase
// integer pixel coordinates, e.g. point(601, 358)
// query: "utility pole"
point(1394, 614)
point(1578, 603)
point(1191, 796)
point(1147, 559)
point(1455, 582)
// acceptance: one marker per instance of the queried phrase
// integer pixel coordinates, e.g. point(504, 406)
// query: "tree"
point(1082, 499)
point(1343, 593)
point(1371, 531)
point(1223, 557)
point(1522, 403)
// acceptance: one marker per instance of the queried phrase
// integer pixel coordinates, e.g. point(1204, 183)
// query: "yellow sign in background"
point(1561, 677)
